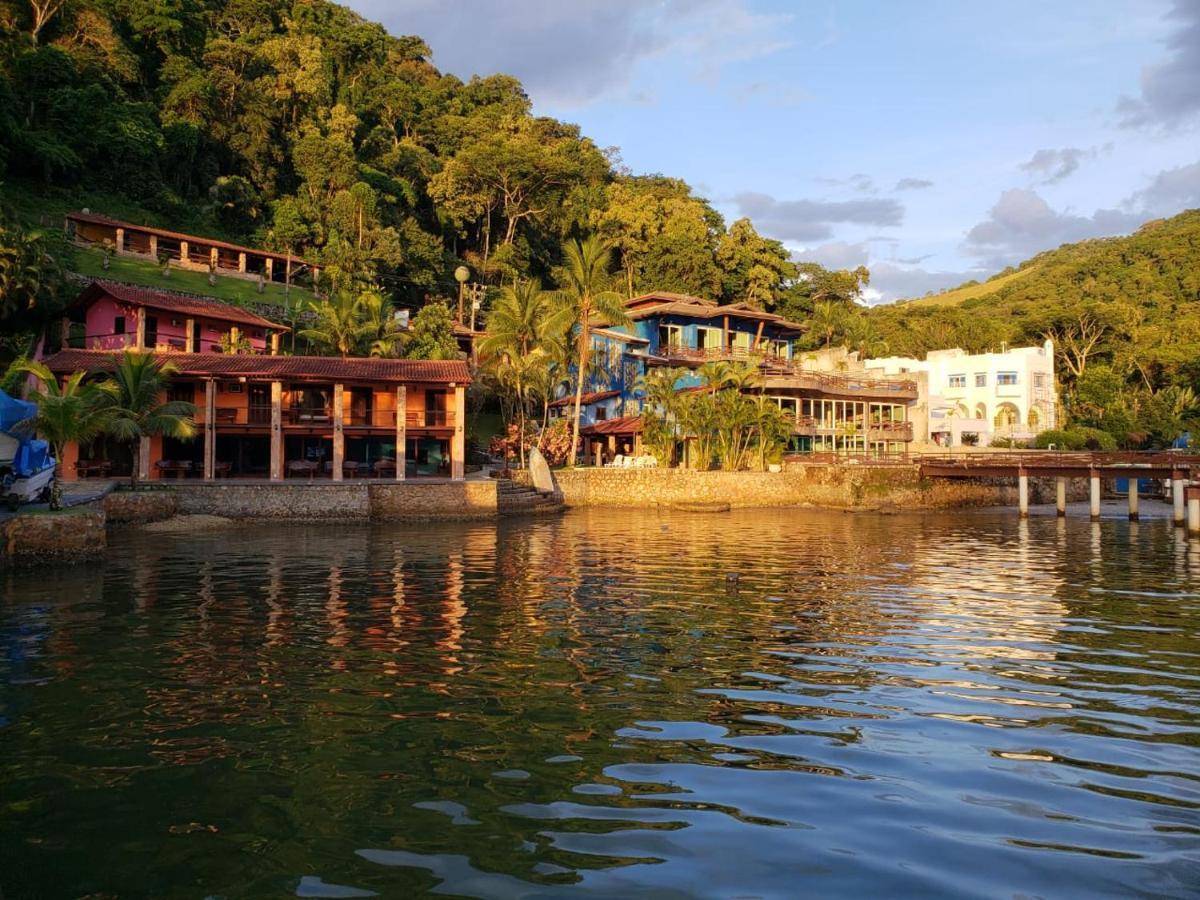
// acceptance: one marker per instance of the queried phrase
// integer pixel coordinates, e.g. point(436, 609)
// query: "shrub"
point(1010, 443)
point(970, 438)
point(1093, 438)
point(1061, 440)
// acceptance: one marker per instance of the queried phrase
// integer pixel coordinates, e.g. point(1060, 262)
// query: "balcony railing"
point(876, 431)
point(429, 418)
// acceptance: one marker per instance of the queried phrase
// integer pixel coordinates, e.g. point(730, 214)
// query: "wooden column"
point(458, 446)
point(139, 342)
point(1094, 494)
point(1177, 504)
point(214, 258)
point(120, 240)
point(183, 253)
point(274, 343)
point(270, 268)
point(339, 438)
point(401, 431)
point(276, 431)
point(210, 428)
point(1061, 495)
point(1192, 498)
point(154, 245)
point(234, 334)
point(1133, 498)
point(144, 467)
point(189, 341)
point(68, 465)
point(1023, 494)
point(241, 262)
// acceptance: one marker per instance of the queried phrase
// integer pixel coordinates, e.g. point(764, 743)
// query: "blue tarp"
point(13, 411)
point(31, 458)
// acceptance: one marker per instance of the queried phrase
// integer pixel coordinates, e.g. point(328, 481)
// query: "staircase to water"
point(515, 499)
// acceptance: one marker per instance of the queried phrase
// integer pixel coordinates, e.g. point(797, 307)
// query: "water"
point(758, 704)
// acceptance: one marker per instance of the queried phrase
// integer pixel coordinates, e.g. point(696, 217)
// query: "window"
point(981, 379)
point(119, 325)
point(601, 413)
point(958, 381)
point(182, 392)
point(1008, 378)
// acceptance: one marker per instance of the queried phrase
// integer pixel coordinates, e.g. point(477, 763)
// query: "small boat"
point(26, 466)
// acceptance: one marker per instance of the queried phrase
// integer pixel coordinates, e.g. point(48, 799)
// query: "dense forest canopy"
point(298, 125)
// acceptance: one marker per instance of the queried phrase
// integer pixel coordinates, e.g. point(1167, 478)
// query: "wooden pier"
point(1179, 467)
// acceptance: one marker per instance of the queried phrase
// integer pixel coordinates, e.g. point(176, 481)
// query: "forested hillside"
point(1124, 312)
point(298, 125)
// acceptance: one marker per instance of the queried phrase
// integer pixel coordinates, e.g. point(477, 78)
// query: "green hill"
point(1142, 292)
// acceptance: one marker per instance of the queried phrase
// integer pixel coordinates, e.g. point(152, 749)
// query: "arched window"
point(1007, 416)
point(981, 411)
point(1035, 418)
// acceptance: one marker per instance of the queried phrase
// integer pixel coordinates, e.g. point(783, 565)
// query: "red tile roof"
point(292, 368)
point(96, 219)
point(590, 397)
point(624, 425)
point(169, 301)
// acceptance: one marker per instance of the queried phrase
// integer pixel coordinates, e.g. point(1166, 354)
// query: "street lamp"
point(461, 274)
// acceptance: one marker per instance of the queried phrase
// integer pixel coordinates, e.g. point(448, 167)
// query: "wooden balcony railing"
point(429, 418)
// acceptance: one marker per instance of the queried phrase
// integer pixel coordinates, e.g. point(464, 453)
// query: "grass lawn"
point(139, 271)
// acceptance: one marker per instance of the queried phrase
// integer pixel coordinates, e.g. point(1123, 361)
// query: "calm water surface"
point(958, 704)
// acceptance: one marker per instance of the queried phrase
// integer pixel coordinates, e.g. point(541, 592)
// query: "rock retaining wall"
point(75, 534)
point(836, 487)
point(139, 507)
point(348, 500)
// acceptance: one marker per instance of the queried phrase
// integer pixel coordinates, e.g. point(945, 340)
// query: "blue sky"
point(932, 141)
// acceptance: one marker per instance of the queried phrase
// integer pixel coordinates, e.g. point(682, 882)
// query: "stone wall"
point(349, 500)
point(75, 534)
point(836, 487)
point(434, 500)
point(295, 500)
point(138, 507)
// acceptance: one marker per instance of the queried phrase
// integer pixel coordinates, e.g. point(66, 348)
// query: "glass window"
point(1006, 378)
point(958, 381)
point(118, 325)
point(981, 379)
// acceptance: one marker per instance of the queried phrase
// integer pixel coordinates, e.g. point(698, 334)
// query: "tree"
point(382, 331)
point(30, 276)
point(41, 12)
point(584, 280)
point(73, 412)
point(754, 269)
point(338, 323)
point(134, 408)
point(828, 318)
point(432, 334)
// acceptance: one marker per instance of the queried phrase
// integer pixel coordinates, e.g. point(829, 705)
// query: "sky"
point(931, 140)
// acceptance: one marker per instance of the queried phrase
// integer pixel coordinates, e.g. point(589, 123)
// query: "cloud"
point(1170, 91)
point(835, 255)
point(860, 182)
point(769, 93)
point(890, 282)
point(1022, 224)
point(569, 54)
point(812, 220)
point(912, 184)
point(1052, 166)
point(1169, 192)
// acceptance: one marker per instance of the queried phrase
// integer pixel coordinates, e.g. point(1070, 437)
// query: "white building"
point(1010, 394)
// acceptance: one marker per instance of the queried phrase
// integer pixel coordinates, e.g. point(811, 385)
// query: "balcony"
point(240, 415)
point(429, 418)
point(876, 431)
point(696, 357)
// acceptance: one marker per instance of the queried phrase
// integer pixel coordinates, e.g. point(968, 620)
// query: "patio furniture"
point(176, 467)
point(302, 466)
point(349, 467)
point(87, 468)
point(385, 468)
point(221, 469)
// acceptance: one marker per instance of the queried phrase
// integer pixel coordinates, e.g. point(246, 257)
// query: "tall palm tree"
point(134, 406)
point(339, 323)
point(73, 412)
point(585, 275)
point(828, 318)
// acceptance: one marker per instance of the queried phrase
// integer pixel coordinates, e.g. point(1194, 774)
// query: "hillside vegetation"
point(1124, 313)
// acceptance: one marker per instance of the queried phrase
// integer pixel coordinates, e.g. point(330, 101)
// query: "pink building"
point(111, 316)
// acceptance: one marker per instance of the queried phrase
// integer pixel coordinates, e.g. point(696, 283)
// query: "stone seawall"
point(835, 487)
point(328, 501)
point(67, 536)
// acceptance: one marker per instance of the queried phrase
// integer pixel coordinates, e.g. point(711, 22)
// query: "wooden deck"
point(1050, 464)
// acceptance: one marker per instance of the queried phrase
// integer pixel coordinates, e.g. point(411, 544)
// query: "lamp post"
point(461, 274)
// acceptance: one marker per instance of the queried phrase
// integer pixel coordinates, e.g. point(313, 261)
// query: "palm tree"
point(585, 297)
point(380, 325)
point(73, 412)
point(134, 408)
point(828, 317)
point(339, 323)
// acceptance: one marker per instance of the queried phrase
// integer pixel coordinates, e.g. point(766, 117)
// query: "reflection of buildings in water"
point(276, 594)
point(1006, 590)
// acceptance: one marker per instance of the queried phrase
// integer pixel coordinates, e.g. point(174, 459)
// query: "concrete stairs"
point(517, 500)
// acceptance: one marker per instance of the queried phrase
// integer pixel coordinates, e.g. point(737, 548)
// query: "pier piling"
point(1023, 494)
point(1177, 503)
point(1060, 497)
point(1133, 499)
point(1193, 509)
point(1094, 495)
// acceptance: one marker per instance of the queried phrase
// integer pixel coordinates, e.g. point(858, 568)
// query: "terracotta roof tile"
point(590, 397)
point(298, 368)
point(624, 425)
point(169, 301)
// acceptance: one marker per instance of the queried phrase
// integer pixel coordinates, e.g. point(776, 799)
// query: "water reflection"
point(762, 703)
